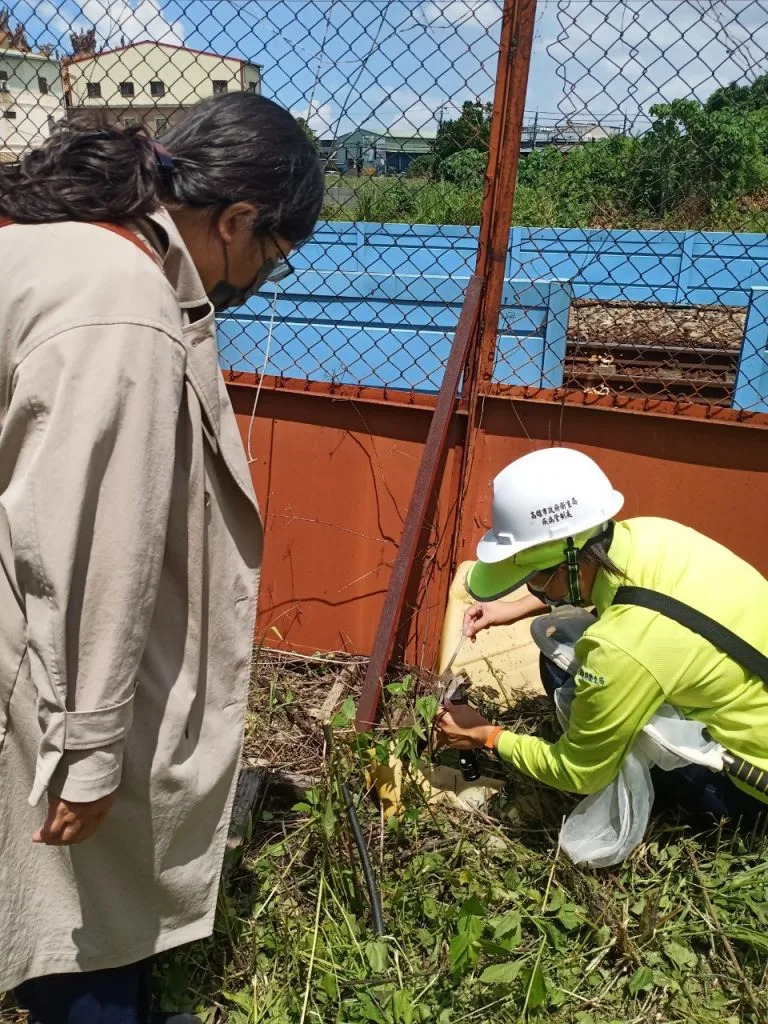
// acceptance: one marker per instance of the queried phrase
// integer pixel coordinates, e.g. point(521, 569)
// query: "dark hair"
point(597, 554)
point(238, 147)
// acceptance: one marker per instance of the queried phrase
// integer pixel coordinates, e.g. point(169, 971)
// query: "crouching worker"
point(680, 621)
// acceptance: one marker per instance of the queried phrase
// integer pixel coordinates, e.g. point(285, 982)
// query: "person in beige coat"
point(130, 537)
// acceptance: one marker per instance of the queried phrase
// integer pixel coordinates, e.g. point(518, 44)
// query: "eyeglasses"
point(275, 269)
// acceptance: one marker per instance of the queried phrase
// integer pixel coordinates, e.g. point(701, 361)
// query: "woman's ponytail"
point(84, 172)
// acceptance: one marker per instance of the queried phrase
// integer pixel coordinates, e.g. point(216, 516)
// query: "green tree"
point(471, 130)
point(692, 152)
point(312, 136)
point(422, 167)
point(751, 97)
point(466, 168)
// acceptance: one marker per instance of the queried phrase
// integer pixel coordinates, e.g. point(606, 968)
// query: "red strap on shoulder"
point(116, 229)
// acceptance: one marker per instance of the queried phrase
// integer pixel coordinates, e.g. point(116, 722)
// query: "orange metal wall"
point(334, 477)
point(709, 475)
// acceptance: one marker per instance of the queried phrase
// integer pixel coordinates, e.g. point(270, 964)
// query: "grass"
point(486, 921)
point(420, 201)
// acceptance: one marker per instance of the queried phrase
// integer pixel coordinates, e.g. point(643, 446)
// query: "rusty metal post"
point(515, 46)
point(426, 480)
point(475, 341)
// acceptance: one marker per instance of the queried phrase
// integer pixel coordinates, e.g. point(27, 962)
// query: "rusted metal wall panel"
point(712, 476)
point(334, 479)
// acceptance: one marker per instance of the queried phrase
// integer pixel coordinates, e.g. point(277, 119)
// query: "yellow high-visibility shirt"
point(633, 660)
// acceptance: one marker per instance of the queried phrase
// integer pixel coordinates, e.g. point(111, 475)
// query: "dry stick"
point(748, 990)
point(543, 938)
point(314, 945)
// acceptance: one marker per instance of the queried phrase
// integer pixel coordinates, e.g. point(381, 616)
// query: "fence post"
point(475, 342)
point(517, 29)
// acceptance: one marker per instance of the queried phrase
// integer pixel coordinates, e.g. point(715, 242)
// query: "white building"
point(31, 100)
point(150, 83)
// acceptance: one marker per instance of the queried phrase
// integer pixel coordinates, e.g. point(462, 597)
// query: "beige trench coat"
point(130, 541)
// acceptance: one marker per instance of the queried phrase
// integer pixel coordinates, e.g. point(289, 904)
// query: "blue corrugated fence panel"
point(382, 300)
point(387, 337)
point(683, 267)
point(530, 348)
point(751, 390)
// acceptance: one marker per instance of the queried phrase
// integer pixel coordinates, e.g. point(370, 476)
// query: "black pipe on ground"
point(362, 848)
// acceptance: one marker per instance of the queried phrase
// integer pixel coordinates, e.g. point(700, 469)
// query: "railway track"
point(671, 371)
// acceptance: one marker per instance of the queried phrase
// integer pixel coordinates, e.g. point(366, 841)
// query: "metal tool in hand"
point(445, 678)
point(454, 688)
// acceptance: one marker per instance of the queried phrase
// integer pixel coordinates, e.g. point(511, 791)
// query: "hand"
point(461, 727)
point(70, 823)
point(479, 617)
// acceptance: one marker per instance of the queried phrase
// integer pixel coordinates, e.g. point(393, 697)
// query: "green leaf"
point(535, 987)
point(401, 688)
point(426, 708)
point(661, 980)
point(495, 949)
point(377, 954)
point(329, 819)
point(641, 981)
point(462, 952)
point(681, 956)
point(329, 985)
point(242, 999)
point(472, 927)
point(345, 714)
point(556, 938)
point(501, 974)
point(369, 1008)
point(569, 917)
point(472, 907)
point(603, 935)
point(509, 923)
point(301, 808)
point(512, 879)
point(402, 1006)
point(556, 899)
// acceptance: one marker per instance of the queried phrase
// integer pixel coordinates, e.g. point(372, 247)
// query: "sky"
point(402, 65)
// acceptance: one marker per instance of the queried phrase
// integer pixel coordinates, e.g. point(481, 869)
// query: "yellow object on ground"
point(388, 779)
point(504, 659)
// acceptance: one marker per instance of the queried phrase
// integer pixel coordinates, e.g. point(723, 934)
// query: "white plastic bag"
point(606, 826)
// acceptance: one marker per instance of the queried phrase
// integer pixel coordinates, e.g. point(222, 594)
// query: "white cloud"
point(405, 112)
point(118, 21)
point(484, 14)
point(623, 58)
point(321, 118)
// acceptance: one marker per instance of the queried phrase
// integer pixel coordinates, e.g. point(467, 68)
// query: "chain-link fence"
point(638, 253)
point(385, 89)
point(654, 211)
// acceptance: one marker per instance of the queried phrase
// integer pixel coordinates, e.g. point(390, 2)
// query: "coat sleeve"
point(615, 697)
point(91, 438)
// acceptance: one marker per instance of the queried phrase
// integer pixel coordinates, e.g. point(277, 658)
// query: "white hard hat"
point(543, 497)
